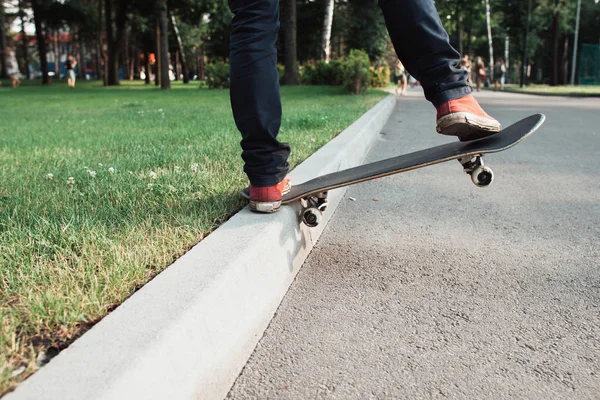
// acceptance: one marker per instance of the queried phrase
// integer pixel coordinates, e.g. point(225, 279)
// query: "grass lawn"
point(102, 188)
point(557, 90)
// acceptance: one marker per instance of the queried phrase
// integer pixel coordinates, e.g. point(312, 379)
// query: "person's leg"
point(254, 94)
point(434, 62)
point(431, 59)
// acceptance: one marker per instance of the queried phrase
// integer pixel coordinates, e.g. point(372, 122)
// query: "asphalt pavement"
point(424, 286)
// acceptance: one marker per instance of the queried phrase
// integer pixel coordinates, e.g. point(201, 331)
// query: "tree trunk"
point(24, 41)
point(163, 26)
point(132, 58)
point(3, 63)
point(56, 56)
point(290, 76)
point(565, 61)
point(112, 77)
point(325, 43)
point(459, 30)
point(489, 31)
point(157, 53)
point(201, 71)
point(186, 78)
point(99, 49)
point(126, 53)
point(470, 34)
point(525, 41)
point(147, 66)
point(555, 25)
point(41, 40)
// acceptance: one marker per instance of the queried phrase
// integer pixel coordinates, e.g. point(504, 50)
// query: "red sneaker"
point(465, 119)
point(268, 199)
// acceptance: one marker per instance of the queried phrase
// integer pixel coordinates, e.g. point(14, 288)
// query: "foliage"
point(217, 75)
point(323, 73)
point(356, 72)
point(379, 77)
point(365, 28)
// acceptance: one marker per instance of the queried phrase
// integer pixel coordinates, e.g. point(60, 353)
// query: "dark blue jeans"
point(420, 41)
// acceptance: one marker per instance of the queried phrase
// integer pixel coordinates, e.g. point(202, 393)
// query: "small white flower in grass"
point(71, 180)
point(160, 110)
point(194, 167)
point(312, 140)
point(111, 170)
point(153, 175)
point(92, 173)
point(49, 176)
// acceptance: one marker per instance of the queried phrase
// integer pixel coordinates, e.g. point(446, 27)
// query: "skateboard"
point(313, 193)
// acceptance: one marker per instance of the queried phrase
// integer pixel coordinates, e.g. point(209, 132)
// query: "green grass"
point(557, 90)
point(101, 189)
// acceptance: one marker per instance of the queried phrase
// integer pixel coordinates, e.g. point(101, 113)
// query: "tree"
point(38, 15)
point(184, 64)
point(488, 19)
point(3, 73)
point(327, 23)
point(290, 76)
point(163, 54)
point(365, 28)
point(24, 39)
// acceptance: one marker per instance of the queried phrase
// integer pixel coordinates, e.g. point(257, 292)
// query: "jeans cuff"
point(451, 94)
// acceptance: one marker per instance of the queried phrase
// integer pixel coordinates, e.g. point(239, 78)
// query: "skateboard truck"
point(313, 208)
point(481, 175)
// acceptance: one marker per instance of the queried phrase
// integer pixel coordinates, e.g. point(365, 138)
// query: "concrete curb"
point(188, 333)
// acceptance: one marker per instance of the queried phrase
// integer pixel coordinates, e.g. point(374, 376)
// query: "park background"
point(104, 185)
point(122, 40)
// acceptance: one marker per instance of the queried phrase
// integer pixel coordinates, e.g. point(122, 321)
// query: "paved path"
point(440, 289)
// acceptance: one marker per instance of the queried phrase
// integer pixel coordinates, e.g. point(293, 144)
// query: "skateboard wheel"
point(311, 217)
point(482, 176)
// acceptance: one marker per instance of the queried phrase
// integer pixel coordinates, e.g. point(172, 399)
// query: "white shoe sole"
point(269, 206)
point(467, 126)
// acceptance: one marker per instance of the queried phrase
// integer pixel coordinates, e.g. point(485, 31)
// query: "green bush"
point(356, 72)
point(307, 75)
point(217, 75)
point(337, 72)
point(379, 77)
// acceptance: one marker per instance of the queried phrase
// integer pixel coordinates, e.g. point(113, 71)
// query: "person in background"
point(12, 67)
point(465, 63)
point(400, 75)
point(70, 65)
point(480, 73)
point(499, 73)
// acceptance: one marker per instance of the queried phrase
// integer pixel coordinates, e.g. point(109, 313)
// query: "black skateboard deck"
point(468, 153)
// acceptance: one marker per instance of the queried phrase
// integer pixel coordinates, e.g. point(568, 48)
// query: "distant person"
point(499, 73)
point(400, 75)
point(465, 63)
point(70, 65)
point(12, 67)
point(480, 73)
